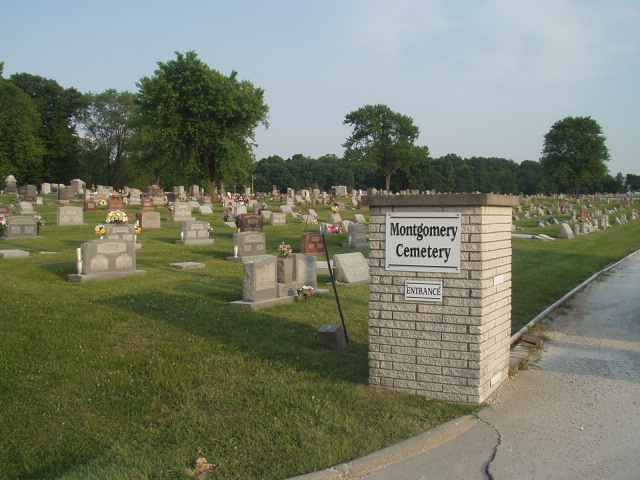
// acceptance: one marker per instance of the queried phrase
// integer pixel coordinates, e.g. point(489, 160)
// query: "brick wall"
point(457, 349)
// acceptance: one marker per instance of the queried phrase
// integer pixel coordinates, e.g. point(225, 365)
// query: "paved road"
point(573, 415)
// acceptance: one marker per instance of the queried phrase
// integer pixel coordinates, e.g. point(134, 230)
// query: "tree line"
point(190, 124)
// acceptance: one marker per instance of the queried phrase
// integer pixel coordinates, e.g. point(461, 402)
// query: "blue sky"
point(479, 78)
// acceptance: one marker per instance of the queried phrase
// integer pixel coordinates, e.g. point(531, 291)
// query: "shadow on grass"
point(271, 334)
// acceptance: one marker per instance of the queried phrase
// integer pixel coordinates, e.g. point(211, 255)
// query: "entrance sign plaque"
point(423, 241)
point(423, 291)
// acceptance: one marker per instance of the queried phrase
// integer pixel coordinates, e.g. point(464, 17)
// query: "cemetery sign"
point(423, 241)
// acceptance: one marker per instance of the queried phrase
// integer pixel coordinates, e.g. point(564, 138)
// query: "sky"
point(478, 78)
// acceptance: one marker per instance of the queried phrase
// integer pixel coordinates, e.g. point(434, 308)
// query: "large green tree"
point(58, 108)
point(21, 149)
point(383, 137)
point(111, 121)
point(574, 154)
point(211, 116)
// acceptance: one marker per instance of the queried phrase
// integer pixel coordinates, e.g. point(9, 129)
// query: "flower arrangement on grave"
point(137, 229)
point(117, 216)
point(103, 203)
point(3, 222)
point(100, 230)
point(227, 216)
point(305, 291)
point(241, 199)
point(306, 217)
point(239, 220)
point(39, 220)
point(335, 228)
point(284, 250)
point(115, 196)
point(335, 207)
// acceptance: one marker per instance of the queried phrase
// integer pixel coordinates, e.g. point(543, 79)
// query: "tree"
point(383, 137)
point(58, 108)
point(111, 121)
point(212, 117)
point(632, 182)
point(21, 149)
point(574, 154)
point(272, 171)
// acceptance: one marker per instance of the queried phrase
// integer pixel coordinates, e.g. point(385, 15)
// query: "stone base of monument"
point(356, 245)
point(202, 241)
point(13, 253)
point(186, 265)
point(332, 336)
point(273, 302)
point(92, 277)
point(322, 268)
point(240, 259)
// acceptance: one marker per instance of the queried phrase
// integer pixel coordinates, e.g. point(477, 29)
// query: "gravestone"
point(105, 259)
point(195, 233)
point(78, 186)
point(11, 187)
point(251, 222)
point(149, 220)
point(260, 279)
point(312, 243)
point(15, 253)
point(239, 209)
point(28, 191)
point(135, 198)
point(357, 236)
point(181, 212)
point(32, 199)
point(116, 203)
point(247, 245)
point(45, 189)
point(278, 218)
point(20, 227)
point(306, 270)
point(66, 193)
point(69, 215)
point(334, 217)
point(147, 204)
point(360, 218)
point(310, 219)
point(205, 210)
point(120, 231)
point(5, 210)
point(286, 209)
point(158, 200)
point(566, 232)
point(351, 268)
point(90, 206)
point(26, 208)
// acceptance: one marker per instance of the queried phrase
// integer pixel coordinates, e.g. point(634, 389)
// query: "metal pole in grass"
point(322, 230)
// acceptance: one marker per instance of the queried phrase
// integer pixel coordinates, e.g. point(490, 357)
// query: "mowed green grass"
point(139, 377)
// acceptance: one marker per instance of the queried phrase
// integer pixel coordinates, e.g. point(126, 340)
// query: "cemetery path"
point(574, 414)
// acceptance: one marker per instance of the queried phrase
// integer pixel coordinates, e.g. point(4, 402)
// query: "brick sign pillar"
point(440, 295)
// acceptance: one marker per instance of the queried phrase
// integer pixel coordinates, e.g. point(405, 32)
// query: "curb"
point(413, 446)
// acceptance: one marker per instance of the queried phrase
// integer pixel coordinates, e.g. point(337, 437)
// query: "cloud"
point(388, 28)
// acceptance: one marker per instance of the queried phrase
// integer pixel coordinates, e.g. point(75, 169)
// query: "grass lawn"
point(139, 377)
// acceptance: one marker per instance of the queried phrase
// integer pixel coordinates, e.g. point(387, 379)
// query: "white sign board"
point(423, 291)
point(423, 241)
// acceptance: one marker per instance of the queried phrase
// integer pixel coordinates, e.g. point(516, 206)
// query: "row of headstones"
point(150, 220)
point(265, 276)
point(583, 228)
